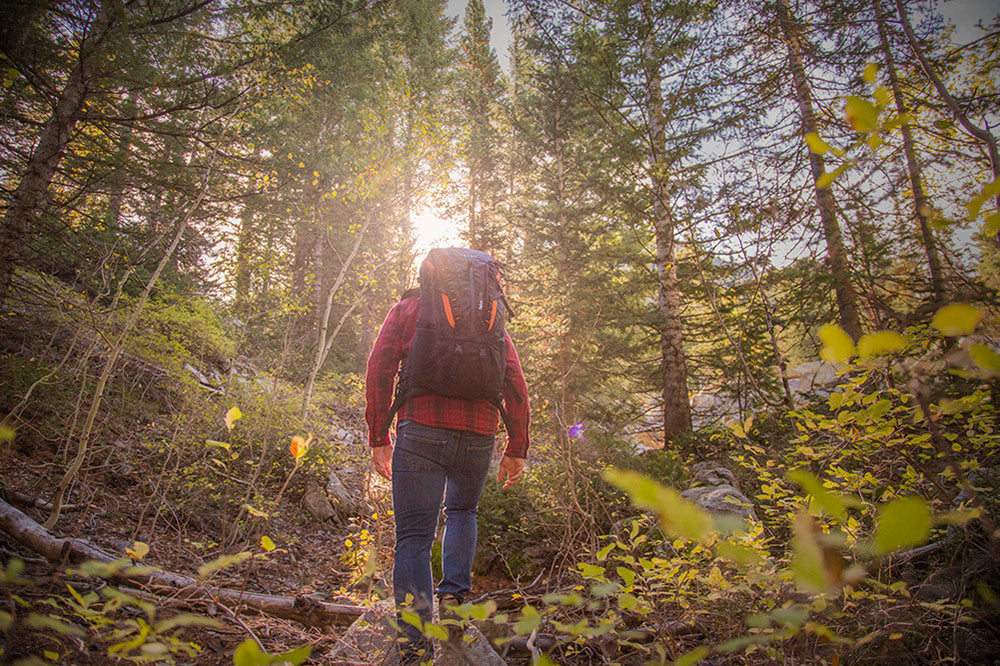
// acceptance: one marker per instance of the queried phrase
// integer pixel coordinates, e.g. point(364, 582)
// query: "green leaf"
point(816, 144)
point(808, 567)
point(692, 657)
point(186, 620)
point(902, 523)
point(6, 434)
point(677, 516)
point(248, 653)
point(627, 576)
point(861, 113)
point(435, 631)
point(992, 223)
point(216, 443)
point(823, 498)
point(294, 656)
point(826, 180)
point(222, 562)
point(943, 124)
point(39, 621)
point(985, 358)
point(956, 319)
point(529, 620)
point(881, 96)
point(879, 343)
point(837, 344)
point(738, 553)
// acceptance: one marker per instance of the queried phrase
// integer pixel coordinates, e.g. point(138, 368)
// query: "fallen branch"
point(67, 550)
point(24, 499)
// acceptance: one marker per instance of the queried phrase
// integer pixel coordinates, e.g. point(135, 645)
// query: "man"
point(443, 447)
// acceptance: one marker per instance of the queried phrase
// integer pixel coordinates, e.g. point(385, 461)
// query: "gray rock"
point(370, 640)
point(316, 503)
point(707, 474)
point(714, 489)
point(721, 500)
point(340, 497)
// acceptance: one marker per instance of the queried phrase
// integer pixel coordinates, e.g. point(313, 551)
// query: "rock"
point(370, 640)
point(707, 474)
point(721, 500)
point(714, 489)
point(316, 503)
point(340, 497)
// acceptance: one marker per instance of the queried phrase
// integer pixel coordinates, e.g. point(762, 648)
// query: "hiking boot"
point(449, 619)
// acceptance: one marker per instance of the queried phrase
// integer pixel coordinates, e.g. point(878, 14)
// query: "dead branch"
point(64, 549)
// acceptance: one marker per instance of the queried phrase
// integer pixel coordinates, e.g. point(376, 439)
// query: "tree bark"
point(673, 366)
point(28, 198)
point(836, 256)
point(921, 202)
point(55, 549)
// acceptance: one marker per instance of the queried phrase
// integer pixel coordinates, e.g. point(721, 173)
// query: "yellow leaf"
point(266, 543)
point(6, 434)
point(255, 512)
point(957, 319)
point(861, 113)
point(816, 144)
point(837, 344)
point(880, 342)
point(137, 551)
point(234, 414)
point(870, 72)
point(992, 224)
point(902, 523)
point(985, 358)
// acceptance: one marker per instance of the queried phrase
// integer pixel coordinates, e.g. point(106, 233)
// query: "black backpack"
point(459, 349)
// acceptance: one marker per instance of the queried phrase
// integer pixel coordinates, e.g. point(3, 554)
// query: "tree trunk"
point(673, 368)
point(921, 202)
point(55, 136)
point(847, 299)
point(983, 135)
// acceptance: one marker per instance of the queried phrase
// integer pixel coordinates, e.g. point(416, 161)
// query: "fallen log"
point(59, 550)
point(642, 636)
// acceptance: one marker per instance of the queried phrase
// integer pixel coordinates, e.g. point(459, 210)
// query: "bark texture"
point(836, 256)
point(29, 197)
point(673, 368)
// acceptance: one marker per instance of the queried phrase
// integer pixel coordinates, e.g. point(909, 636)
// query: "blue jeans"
point(429, 463)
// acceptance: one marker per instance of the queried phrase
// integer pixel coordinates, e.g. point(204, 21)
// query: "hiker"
point(460, 373)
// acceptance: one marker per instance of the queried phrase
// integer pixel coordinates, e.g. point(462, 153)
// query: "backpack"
point(459, 349)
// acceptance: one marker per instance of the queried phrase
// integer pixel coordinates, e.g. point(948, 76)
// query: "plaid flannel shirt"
point(478, 416)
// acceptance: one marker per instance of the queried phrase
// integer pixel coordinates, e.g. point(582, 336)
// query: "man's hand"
point(382, 461)
point(510, 468)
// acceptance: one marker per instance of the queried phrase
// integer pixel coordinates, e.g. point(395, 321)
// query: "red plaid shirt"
point(477, 416)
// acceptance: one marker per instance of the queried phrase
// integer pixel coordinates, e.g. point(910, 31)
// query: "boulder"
point(370, 640)
point(721, 500)
point(317, 504)
point(714, 489)
point(340, 497)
